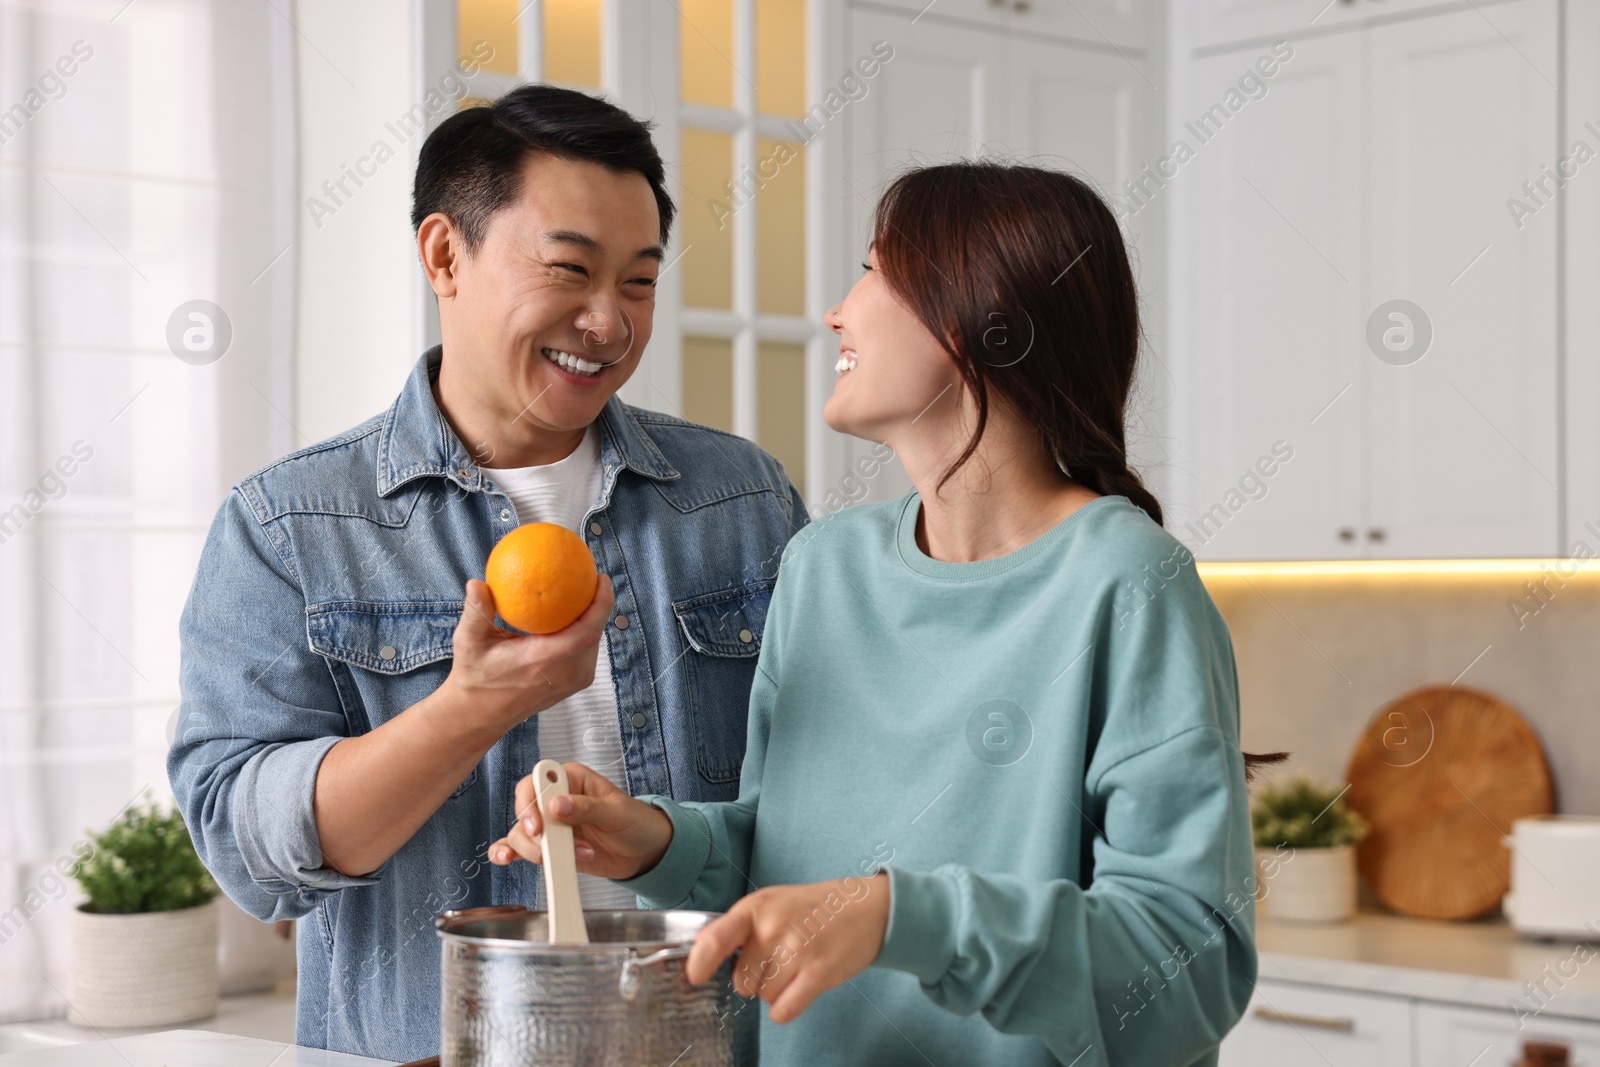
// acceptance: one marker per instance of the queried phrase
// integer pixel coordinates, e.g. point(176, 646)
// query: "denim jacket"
point(324, 605)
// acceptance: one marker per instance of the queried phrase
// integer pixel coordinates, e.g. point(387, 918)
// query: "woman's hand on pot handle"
point(614, 835)
point(796, 942)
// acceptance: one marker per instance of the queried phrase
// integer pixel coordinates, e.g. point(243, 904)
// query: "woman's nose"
point(835, 323)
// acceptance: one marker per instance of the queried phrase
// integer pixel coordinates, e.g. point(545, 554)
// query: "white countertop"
point(1483, 963)
point(267, 1016)
point(185, 1048)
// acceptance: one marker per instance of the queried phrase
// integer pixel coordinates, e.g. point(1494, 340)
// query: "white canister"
point(152, 968)
point(1555, 876)
point(1314, 885)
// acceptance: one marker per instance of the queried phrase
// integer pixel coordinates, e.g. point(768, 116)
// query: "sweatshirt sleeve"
point(1152, 958)
point(259, 714)
point(706, 867)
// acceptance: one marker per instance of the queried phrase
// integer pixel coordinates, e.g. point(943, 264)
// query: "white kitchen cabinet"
point(1462, 111)
point(961, 92)
point(1289, 1025)
point(1273, 252)
point(1376, 167)
point(1449, 1036)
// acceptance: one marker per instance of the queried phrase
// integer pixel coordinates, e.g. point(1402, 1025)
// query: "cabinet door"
point(1269, 260)
point(1288, 1025)
point(1453, 1037)
point(1462, 112)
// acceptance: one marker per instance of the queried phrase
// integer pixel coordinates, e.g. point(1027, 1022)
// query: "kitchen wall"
point(1319, 656)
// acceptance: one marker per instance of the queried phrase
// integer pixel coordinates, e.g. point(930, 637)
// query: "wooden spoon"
point(563, 908)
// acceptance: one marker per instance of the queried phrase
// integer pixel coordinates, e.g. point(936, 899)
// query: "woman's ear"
point(438, 247)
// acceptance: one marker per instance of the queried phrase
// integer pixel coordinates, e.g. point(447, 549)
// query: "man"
point(354, 722)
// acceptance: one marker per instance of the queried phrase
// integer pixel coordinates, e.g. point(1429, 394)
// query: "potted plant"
point(1305, 851)
point(144, 945)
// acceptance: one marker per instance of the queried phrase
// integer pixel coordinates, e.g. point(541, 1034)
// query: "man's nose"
point(599, 324)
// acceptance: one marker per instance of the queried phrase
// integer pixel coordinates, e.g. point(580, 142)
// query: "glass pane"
point(781, 405)
point(781, 57)
point(708, 381)
point(572, 42)
point(705, 51)
point(707, 232)
point(487, 22)
point(780, 228)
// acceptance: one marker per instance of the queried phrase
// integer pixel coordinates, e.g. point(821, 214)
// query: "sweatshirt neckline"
point(915, 559)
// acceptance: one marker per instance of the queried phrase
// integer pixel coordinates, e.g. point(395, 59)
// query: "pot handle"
point(628, 983)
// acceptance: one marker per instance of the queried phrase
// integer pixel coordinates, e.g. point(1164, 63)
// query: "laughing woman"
point(993, 806)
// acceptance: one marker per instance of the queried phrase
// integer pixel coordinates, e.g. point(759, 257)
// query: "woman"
point(993, 784)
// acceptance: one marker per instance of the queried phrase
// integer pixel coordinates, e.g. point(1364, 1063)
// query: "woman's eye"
point(866, 266)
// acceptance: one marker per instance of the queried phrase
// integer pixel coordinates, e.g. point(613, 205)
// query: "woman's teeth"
point(847, 361)
point(568, 361)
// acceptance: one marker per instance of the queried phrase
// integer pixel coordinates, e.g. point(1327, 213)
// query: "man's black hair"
point(471, 165)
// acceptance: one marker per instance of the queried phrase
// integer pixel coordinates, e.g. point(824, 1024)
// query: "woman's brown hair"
point(1022, 275)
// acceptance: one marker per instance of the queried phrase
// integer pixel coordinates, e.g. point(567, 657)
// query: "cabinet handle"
point(1321, 1022)
point(1376, 534)
point(1347, 533)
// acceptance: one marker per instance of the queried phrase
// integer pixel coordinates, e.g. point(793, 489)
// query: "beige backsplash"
point(1318, 656)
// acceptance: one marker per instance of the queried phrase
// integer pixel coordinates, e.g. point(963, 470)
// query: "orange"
point(542, 577)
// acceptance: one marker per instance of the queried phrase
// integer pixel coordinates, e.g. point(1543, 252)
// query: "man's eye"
point(650, 282)
point(575, 268)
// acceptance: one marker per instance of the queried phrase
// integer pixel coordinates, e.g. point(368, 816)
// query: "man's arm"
point(282, 805)
point(374, 791)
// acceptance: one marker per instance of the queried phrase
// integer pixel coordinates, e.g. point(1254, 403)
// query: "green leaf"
point(144, 861)
point(1300, 813)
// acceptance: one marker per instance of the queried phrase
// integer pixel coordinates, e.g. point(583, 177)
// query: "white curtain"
point(147, 160)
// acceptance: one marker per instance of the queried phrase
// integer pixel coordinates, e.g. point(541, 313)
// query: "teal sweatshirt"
point(1042, 752)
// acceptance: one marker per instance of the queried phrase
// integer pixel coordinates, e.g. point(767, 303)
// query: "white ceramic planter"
point(1314, 885)
point(151, 969)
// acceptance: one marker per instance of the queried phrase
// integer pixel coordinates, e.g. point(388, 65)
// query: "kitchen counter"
point(267, 1016)
point(1484, 964)
point(185, 1048)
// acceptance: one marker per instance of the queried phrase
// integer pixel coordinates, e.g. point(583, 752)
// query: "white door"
point(1462, 112)
point(961, 93)
point(1269, 259)
point(1452, 1037)
point(1288, 1025)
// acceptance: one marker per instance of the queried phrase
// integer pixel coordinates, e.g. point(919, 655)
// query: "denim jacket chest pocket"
point(722, 631)
point(385, 655)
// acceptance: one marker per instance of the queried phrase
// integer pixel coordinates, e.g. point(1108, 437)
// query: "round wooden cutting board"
point(1440, 774)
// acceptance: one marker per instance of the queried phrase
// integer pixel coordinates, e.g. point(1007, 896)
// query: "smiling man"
point(354, 721)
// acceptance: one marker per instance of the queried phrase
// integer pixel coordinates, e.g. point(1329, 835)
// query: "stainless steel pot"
point(509, 999)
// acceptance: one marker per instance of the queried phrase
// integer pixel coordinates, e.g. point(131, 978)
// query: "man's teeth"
point(571, 362)
point(846, 362)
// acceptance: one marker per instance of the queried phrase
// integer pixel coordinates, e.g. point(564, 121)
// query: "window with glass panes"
point(737, 330)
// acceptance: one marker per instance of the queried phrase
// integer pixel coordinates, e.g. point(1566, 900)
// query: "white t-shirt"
point(586, 727)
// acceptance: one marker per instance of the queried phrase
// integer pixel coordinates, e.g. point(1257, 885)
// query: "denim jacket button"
point(622, 622)
point(387, 653)
point(746, 636)
point(638, 720)
point(505, 515)
point(594, 528)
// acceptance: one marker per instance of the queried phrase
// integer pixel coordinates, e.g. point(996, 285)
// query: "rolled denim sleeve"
point(259, 713)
